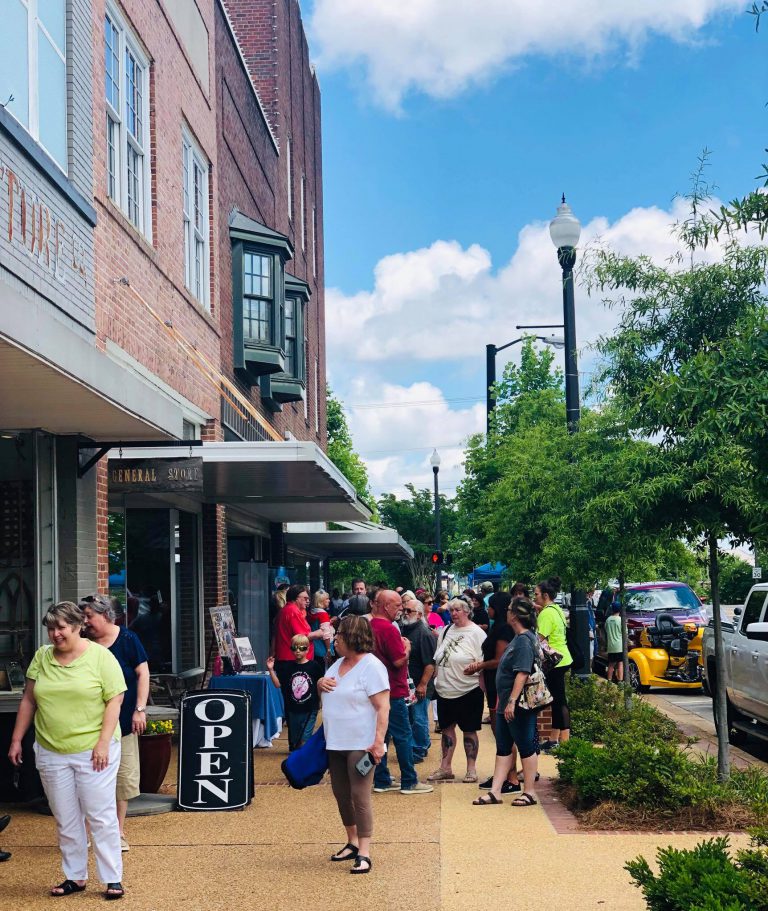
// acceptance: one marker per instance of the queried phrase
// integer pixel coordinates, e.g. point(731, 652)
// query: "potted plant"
point(154, 754)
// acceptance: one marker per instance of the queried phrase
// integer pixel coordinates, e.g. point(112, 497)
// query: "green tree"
point(735, 579)
point(341, 449)
point(665, 364)
point(414, 518)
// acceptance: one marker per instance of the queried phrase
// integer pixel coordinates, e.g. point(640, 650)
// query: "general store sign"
point(155, 475)
point(33, 227)
point(215, 751)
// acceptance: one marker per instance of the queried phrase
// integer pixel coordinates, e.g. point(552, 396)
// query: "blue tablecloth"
point(266, 698)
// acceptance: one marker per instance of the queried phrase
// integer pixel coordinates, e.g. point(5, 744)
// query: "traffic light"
point(448, 559)
point(437, 557)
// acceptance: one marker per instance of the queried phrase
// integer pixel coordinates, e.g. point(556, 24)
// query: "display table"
point(266, 703)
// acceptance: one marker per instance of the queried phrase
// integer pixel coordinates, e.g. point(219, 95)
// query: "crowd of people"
point(389, 662)
point(376, 662)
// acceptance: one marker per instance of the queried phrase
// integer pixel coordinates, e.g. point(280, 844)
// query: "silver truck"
point(745, 640)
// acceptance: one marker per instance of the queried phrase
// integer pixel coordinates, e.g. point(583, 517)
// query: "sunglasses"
point(299, 648)
point(409, 610)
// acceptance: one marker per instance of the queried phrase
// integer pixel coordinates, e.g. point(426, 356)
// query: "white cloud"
point(427, 321)
point(443, 46)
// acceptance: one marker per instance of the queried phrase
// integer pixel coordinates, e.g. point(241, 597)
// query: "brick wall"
point(254, 171)
point(155, 268)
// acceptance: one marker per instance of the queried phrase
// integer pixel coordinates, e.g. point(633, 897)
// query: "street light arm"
point(509, 344)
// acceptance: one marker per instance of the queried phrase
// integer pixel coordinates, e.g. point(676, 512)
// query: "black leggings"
point(561, 716)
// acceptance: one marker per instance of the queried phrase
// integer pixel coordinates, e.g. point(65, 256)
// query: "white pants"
point(76, 793)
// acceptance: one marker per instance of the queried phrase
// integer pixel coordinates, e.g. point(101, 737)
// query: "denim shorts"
point(521, 732)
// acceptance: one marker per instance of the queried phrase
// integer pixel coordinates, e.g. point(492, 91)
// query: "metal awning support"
point(348, 541)
point(84, 464)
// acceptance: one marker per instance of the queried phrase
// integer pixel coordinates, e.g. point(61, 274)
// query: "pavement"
point(433, 852)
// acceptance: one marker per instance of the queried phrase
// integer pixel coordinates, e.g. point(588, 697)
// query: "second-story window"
point(257, 297)
point(195, 221)
point(127, 102)
point(33, 70)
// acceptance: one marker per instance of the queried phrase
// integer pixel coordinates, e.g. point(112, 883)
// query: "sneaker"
point(383, 788)
point(419, 788)
point(124, 846)
point(509, 788)
point(418, 759)
point(548, 746)
point(486, 785)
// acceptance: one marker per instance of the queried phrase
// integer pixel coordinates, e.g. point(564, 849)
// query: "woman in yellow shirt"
point(551, 625)
point(73, 693)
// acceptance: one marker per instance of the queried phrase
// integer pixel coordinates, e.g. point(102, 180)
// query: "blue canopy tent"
point(488, 572)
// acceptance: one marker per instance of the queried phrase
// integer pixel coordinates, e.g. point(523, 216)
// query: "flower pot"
point(154, 757)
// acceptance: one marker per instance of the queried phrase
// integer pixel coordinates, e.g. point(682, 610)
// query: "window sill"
point(11, 128)
point(286, 388)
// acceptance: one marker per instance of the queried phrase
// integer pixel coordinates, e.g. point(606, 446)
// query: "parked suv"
point(644, 600)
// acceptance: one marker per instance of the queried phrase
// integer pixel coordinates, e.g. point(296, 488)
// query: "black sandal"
point(68, 887)
point(114, 890)
point(487, 800)
point(524, 800)
point(353, 849)
point(359, 861)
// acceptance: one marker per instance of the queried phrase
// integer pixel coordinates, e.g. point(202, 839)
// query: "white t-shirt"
point(455, 650)
point(349, 718)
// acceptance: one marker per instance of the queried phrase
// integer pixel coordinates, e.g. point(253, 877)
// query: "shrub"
point(705, 878)
point(599, 709)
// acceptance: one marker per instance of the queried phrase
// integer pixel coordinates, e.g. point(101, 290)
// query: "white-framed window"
point(303, 212)
point(289, 169)
point(196, 220)
point(33, 71)
point(127, 102)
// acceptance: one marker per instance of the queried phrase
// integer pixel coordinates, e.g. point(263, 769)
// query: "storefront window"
point(154, 570)
point(17, 548)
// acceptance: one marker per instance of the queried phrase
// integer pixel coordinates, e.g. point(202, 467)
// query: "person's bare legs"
point(620, 671)
point(530, 767)
point(513, 777)
point(448, 746)
point(471, 747)
point(501, 770)
point(611, 672)
point(352, 838)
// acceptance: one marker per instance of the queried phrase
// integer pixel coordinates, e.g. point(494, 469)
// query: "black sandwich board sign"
point(215, 751)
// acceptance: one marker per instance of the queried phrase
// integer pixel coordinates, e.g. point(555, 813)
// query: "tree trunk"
point(625, 643)
point(719, 696)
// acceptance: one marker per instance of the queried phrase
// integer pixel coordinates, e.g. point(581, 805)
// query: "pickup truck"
point(745, 640)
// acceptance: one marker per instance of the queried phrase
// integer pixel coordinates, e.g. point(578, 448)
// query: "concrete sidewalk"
point(434, 852)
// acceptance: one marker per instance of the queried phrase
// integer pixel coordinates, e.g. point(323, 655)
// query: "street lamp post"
point(490, 370)
point(565, 230)
point(434, 461)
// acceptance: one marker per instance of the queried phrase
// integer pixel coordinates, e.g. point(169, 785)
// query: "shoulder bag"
point(535, 695)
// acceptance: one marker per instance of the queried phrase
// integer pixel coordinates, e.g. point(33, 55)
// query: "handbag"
point(549, 657)
point(535, 694)
point(307, 765)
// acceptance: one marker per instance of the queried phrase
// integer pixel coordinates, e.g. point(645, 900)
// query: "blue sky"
point(446, 146)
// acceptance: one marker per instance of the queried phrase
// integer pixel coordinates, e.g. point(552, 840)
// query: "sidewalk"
point(694, 725)
point(434, 852)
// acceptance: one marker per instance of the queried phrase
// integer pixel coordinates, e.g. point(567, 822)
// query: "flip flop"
point(351, 856)
point(470, 778)
point(482, 802)
point(358, 865)
point(68, 887)
point(524, 800)
point(114, 891)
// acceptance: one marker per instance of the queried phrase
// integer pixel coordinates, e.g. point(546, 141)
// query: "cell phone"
point(365, 764)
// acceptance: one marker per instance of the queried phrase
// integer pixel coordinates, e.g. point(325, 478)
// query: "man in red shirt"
point(292, 621)
point(393, 650)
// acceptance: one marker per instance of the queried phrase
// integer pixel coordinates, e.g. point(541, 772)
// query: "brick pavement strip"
point(431, 853)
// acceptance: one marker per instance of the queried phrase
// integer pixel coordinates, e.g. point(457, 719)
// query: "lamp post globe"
point(565, 228)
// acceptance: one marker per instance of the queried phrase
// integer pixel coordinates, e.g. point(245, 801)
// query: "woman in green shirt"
point(73, 693)
point(551, 625)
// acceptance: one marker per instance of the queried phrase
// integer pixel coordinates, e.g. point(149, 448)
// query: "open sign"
point(215, 751)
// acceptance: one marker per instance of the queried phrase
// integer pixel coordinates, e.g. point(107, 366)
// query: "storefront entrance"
point(155, 574)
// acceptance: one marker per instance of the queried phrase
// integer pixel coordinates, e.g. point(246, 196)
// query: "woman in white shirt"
point(355, 699)
point(459, 697)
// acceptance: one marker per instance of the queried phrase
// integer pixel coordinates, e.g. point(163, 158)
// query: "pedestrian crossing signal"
point(437, 557)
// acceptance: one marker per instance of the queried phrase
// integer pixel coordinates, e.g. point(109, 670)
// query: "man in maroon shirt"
point(393, 650)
